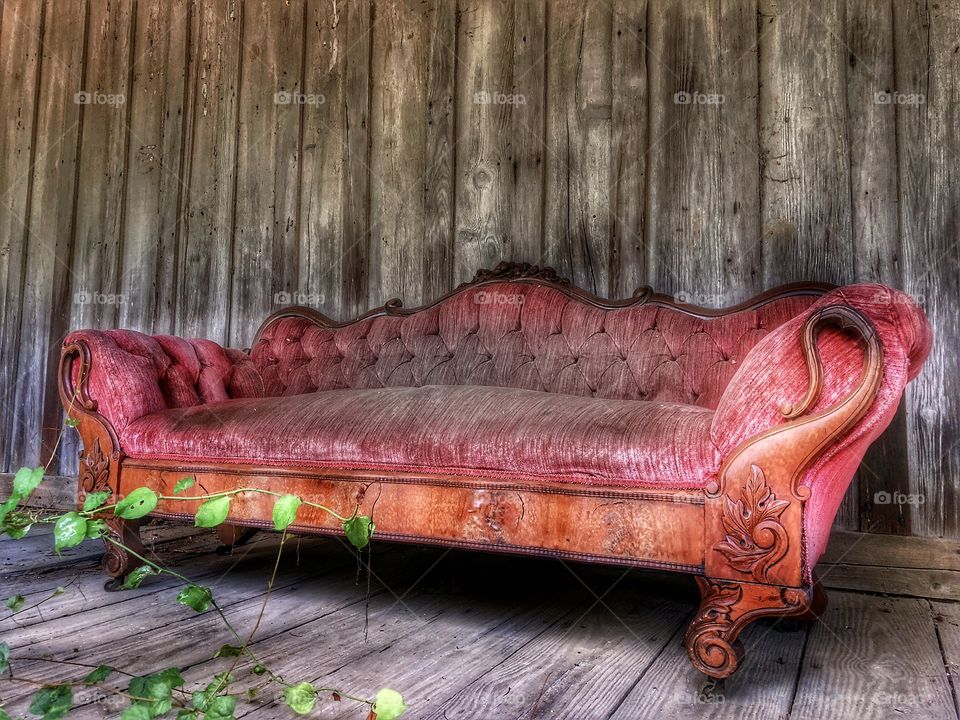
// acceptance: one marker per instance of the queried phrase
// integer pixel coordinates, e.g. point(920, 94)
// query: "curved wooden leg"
point(233, 536)
point(118, 561)
point(726, 607)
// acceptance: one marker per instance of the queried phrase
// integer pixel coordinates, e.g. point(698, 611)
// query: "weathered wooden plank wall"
point(229, 156)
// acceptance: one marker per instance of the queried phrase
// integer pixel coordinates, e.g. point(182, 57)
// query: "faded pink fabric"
point(133, 374)
point(473, 430)
point(523, 336)
point(431, 392)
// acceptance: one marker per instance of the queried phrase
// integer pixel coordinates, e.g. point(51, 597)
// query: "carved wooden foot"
point(118, 561)
point(233, 536)
point(726, 607)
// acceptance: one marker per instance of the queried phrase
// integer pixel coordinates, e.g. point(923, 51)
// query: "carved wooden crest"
point(510, 270)
point(756, 539)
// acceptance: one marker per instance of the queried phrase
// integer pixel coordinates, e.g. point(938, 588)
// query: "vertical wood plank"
point(527, 129)
point(442, 154)
point(47, 281)
point(204, 261)
point(20, 37)
point(577, 185)
point(97, 241)
point(928, 148)
point(703, 226)
point(98, 226)
point(327, 50)
point(485, 108)
point(876, 234)
point(806, 211)
point(806, 216)
point(628, 159)
point(265, 249)
point(359, 74)
point(398, 90)
point(333, 187)
point(154, 171)
point(403, 42)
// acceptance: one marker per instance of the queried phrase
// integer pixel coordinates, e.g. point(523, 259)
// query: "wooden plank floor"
point(467, 635)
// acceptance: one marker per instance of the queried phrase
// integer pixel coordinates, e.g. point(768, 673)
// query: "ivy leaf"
point(170, 676)
point(9, 504)
point(71, 422)
point(221, 708)
point(26, 481)
point(137, 576)
point(359, 530)
point(17, 524)
point(137, 711)
point(99, 675)
point(14, 602)
point(285, 511)
point(52, 703)
point(157, 688)
point(201, 698)
point(213, 511)
point(4, 657)
point(300, 698)
point(183, 484)
point(259, 669)
point(96, 528)
point(196, 596)
point(228, 651)
point(95, 500)
point(388, 705)
point(138, 503)
point(221, 681)
point(69, 531)
point(185, 714)
point(3, 715)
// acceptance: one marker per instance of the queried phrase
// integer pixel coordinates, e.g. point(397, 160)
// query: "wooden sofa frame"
point(742, 537)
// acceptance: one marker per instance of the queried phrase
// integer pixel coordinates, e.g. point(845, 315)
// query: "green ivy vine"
point(156, 695)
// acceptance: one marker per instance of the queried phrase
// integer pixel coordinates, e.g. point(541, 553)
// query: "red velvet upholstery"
point(467, 430)
point(381, 403)
point(524, 336)
point(133, 374)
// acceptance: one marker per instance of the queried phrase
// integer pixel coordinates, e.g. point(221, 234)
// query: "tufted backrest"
point(525, 335)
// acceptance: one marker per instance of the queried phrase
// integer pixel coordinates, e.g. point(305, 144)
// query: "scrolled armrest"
point(858, 344)
point(123, 375)
point(810, 398)
point(843, 317)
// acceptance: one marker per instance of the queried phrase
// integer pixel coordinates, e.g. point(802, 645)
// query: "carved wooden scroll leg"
point(726, 607)
point(123, 536)
point(233, 536)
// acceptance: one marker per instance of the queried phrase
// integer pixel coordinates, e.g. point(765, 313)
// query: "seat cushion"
point(470, 430)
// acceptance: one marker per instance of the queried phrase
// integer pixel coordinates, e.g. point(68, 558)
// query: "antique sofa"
point(521, 414)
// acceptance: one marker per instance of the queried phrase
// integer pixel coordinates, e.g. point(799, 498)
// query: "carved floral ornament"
point(95, 469)
point(756, 539)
